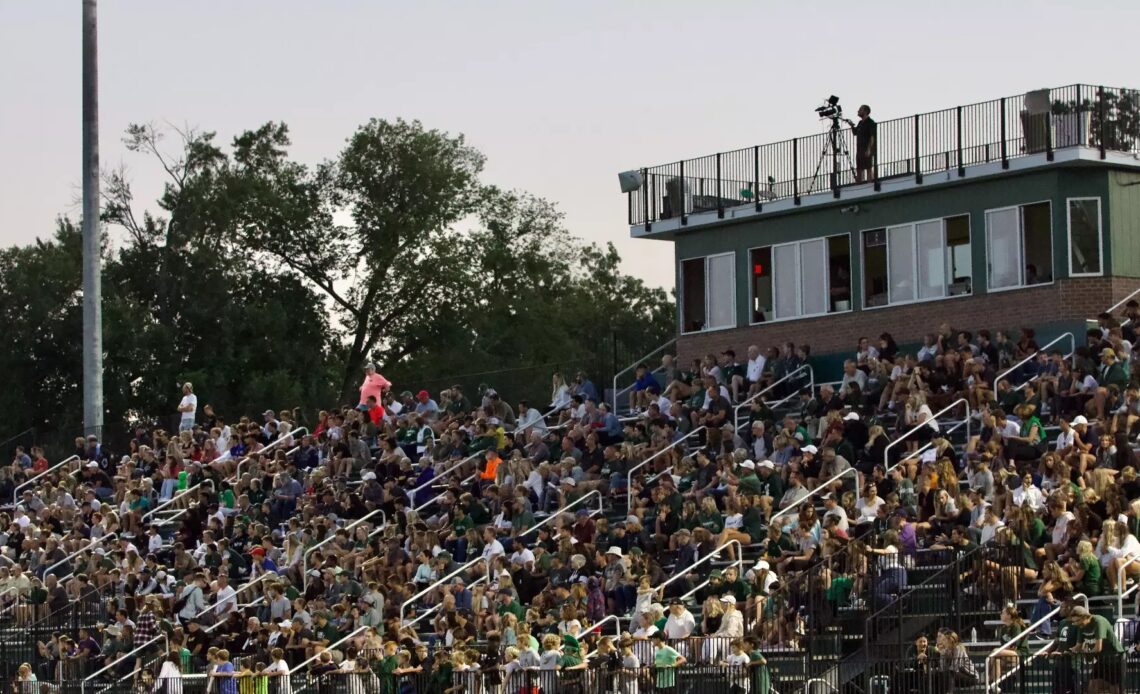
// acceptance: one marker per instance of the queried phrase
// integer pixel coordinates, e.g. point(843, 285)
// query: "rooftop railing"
point(949, 140)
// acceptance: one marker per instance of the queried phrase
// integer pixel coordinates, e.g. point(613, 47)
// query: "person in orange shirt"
point(491, 468)
point(374, 384)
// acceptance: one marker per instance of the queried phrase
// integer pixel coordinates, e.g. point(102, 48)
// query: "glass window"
point(1003, 248)
point(900, 263)
point(785, 263)
point(875, 268)
point(1084, 236)
point(760, 261)
point(693, 295)
point(813, 277)
point(721, 274)
point(1037, 233)
point(931, 260)
point(839, 272)
point(959, 263)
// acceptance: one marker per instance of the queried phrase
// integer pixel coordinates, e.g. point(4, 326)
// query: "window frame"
point(1021, 238)
point(752, 284)
point(799, 279)
point(946, 295)
point(681, 289)
point(1099, 235)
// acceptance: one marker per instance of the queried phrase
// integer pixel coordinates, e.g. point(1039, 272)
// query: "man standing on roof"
point(374, 384)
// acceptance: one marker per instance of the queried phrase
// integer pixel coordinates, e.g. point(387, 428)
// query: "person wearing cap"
point(426, 407)
point(832, 509)
point(680, 623)
point(1098, 637)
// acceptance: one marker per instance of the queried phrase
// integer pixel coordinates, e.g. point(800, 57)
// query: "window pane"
point(959, 262)
point(760, 260)
point(813, 276)
point(931, 260)
point(900, 256)
point(839, 272)
point(785, 266)
point(1038, 248)
point(875, 268)
point(722, 291)
point(1003, 248)
point(1084, 236)
point(693, 295)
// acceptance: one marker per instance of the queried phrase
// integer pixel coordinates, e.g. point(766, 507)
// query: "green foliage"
point(1119, 111)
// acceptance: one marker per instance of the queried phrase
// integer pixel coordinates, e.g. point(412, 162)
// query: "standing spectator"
point(374, 385)
point(187, 407)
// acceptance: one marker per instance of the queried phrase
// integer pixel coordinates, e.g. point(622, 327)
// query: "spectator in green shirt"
point(508, 604)
point(665, 662)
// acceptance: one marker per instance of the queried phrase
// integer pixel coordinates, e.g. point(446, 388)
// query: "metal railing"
point(945, 141)
point(811, 382)
point(184, 494)
point(567, 507)
point(332, 646)
point(1121, 593)
point(632, 367)
point(918, 427)
point(53, 468)
point(790, 508)
point(1120, 303)
point(426, 591)
point(86, 548)
point(1022, 635)
point(241, 589)
point(714, 555)
point(650, 459)
point(541, 418)
point(597, 626)
point(442, 473)
point(466, 480)
point(292, 434)
point(112, 664)
point(330, 538)
point(1031, 357)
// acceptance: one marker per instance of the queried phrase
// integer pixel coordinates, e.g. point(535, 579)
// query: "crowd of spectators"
point(422, 535)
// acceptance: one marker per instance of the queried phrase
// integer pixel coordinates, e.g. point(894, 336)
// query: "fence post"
point(1103, 117)
point(917, 152)
point(683, 188)
point(961, 164)
point(719, 198)
point(1004, 152)
point(796, 170)
point(756, 176)
point(1049, 134)
point(645, 193)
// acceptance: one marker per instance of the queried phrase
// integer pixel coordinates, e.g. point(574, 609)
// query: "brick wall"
point(1065, 300)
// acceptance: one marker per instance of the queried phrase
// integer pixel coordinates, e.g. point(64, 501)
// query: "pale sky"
point(560, 96)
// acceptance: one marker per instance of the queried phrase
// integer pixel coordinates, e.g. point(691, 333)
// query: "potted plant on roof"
point(1076, 123)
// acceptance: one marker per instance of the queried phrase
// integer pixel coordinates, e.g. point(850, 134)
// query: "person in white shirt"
point(493, 547)
point(522, 556)
point(1027, 493)
point(170, 675)
point(681, 623)
point(868, 506)
point(731, 627)
point(755, 368)
point(225, 600)
point(187, 407)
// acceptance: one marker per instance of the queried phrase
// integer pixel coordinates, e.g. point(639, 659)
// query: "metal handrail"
point(53, 468)
point(171, 501)
point(632, 367)
point(10, 589)
point(567, 507)
point(812, 493)
point(598, 625)
point(322, 543)
point(105, 668)
point(635, 468)
point(291, 434)
point(435, 478)
point(1120, 591)
point(436, 607)
point(934, 418)
point(1120, 303)
point(440, 582)
point(86, 548)
point(330, 647)
point(736, 410)
point(711, 556)
point(439, 496)
point(245, 586)
point(241, 606)
point(1024, 633)
point(1031, 357)
point(541, 418)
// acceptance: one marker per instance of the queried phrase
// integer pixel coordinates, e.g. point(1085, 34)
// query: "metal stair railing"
point(712, 556)
point(1024, 634)
point(567, 507)
point(242, 588)
point(86, 548)
point(918, 427)
point(109, 666)
point(790, 508)
point(427, 591)
point(20, 487)
point(632, 367)
point(292, 434)
point(180, 496)
point(442, 473)
point(330, 538)
point(1043, 350)
point(1121, 593)
point(332, 646)
point(635, 468)
point(811, 383)
point(1120, 303)
point(470, 478)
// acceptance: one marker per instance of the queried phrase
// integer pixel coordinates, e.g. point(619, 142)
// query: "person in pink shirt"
point(374, 384)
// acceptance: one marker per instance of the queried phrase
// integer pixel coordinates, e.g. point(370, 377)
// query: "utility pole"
point(92, 246)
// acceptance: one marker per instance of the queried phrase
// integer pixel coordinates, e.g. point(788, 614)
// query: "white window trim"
point(1099, 236)
point(799, 292)
point(1021, 235)
point(752, 286)
point(914, 225)
point(681, 298)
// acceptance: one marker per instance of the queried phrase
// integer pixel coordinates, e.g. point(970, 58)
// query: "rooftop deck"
point(1034, 124)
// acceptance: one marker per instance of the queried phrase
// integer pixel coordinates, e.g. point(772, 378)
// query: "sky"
point(560, 96)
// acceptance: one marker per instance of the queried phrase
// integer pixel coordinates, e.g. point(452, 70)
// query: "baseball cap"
point(810, 449)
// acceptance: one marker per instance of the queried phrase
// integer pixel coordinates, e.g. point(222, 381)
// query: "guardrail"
point(437, 497)
point(322, 543)
point(810, 495)
point(598, 626)
point(1031, 357)
point(632, 367)
point(439, 477)
point(1120, 303)
point(811, 381)
point(241, 589)
point(635, 468)
point(934, 418)
point(292, 434)
point(1024, 634)
point(1121, 593)
point(440, 582)
point(567, 507)
point(86, 548)
point(738, 562)
point(332, 646)
point(185, 493)
point(105, 668)
point(53, 468)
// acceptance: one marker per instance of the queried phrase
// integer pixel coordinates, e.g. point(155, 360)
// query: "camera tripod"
point(836, 149)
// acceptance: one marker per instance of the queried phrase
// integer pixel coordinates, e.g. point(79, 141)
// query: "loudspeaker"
point(630, 181)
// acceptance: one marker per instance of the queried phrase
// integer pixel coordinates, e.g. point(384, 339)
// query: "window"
point(708, 293)
point(916, 262)
point(1084, 236)
point(1019, 246)
point(806, 278)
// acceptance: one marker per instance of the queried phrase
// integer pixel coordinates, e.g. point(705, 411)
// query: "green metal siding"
point(972, 197)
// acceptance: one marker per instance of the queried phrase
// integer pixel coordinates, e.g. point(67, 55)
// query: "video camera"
point(830, 108)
